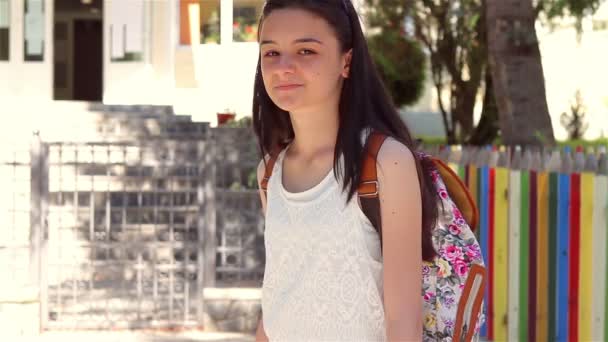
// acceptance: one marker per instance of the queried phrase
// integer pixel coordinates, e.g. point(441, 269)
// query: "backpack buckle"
point(374, 194)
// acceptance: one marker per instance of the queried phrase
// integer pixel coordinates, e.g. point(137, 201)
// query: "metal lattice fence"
point(128, 234)
point(15, 210)
point(240, 245)
point(126, 225)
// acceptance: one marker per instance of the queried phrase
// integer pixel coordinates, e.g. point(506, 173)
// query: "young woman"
point(316, 97)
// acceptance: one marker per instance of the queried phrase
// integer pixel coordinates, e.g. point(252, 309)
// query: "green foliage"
point(559, 8)
point(401, 64)
point(453, 34)
point(430, 141)
point(585, 143)
point(574, 122)
point(400, 59)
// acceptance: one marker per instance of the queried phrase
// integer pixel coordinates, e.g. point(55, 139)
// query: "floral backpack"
point(453, 283)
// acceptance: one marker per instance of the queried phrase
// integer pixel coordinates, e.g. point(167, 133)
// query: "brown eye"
point(271, 54)
point(307, 52)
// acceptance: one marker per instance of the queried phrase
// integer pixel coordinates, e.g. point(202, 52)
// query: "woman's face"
point(301, 60)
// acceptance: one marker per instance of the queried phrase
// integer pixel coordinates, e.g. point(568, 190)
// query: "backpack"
point(453, 283)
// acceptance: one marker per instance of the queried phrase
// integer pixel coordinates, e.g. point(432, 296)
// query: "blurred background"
point(130, 202)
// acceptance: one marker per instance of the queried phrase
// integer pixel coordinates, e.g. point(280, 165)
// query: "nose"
point(285, 64)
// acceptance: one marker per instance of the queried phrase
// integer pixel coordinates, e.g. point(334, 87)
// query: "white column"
point(226, 20)
point(147, 31)
point(173, 19)
point(15, 15)
point(135, 25)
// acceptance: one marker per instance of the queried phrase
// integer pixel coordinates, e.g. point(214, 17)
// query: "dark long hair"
point(364, 103)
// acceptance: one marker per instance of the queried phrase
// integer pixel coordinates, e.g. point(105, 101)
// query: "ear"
point(346, 61)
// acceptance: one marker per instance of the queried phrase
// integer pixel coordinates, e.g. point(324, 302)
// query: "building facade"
point(196, 55)
point(199, 56)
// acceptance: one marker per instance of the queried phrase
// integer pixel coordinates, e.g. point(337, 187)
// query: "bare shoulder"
point(395, 158)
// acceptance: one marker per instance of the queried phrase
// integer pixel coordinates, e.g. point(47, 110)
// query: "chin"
point(287, 104)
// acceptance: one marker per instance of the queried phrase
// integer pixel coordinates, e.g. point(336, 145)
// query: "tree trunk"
point(487, 128)
point(517, 73)
point(463, 99)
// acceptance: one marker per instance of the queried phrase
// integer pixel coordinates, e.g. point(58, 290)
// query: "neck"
point(314, 132)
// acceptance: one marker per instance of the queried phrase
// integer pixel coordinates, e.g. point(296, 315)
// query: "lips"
point(287, 86)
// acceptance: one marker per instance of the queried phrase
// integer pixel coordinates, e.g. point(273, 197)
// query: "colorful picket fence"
point(543, 231)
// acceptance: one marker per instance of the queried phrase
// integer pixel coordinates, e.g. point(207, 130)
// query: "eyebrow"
point(301, 40)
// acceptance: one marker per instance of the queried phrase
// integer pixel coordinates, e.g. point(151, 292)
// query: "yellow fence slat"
point(586, 257)
point(501, 254)
point(542, 258)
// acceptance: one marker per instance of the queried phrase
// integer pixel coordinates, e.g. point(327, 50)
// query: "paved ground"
point(128, 336)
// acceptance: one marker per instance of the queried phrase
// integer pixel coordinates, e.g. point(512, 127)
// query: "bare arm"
point(400, 201)
point(260, 334)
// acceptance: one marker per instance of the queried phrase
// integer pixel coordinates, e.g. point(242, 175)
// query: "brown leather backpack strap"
point(368, 186)
point(469, 304)
point(459, 193)
point(268, 172)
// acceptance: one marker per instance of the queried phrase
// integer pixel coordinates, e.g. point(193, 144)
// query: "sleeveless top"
point(323, 276)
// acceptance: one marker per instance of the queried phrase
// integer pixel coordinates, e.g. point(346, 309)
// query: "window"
point(5, 24)
point(126, 31)
point(199, 20)
point(33, 30)
point(246, 14)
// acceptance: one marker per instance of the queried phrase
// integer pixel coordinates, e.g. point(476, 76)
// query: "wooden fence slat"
point(603, 172)
point(532, 256)
point(574, 265)
point(542, 261)
point(514, 248)
point(562, 270)
point(586, 257)
point(472, 184)
point(484, 242)
point(524, 255)
point(553, 165)
point(553, 256)
point(501, 256)
point(491, 174)
point(600, 227)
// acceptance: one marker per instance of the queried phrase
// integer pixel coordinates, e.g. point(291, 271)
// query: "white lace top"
point(323, 277)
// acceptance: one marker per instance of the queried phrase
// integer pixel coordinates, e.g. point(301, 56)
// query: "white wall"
point(211, 78)
point(223, 78)
point(149, 81)
point(570, 65)
point(26, 88)
point(30, 81)
point(198, 80)
point(221, 75)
